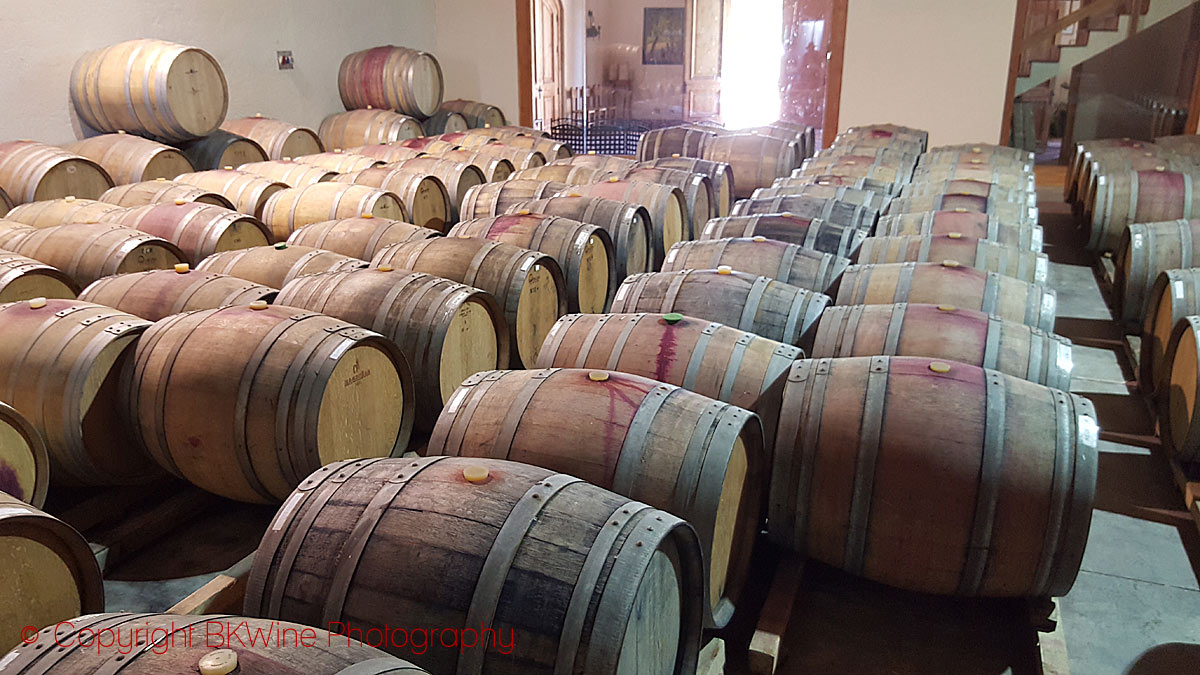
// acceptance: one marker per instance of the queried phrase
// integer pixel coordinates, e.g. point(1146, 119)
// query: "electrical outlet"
point(286, 62)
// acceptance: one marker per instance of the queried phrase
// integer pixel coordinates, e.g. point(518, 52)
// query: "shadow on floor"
point(1122, 414)
point(1172, 658)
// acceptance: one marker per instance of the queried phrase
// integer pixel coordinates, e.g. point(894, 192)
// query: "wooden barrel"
point(458, 177)
point(1023, 235)
point(425, 197)
point(602, 162)
point(448, 331)
point(993, 160)
point(161, 191)
point(32, 171)
point(132, 159)
point(982, 150)
point(156, 294)
point(809, 233)
point(857, 166)
point(23, 278)
point(520, 159)
point(584, 252)
point(509, 130)
point(756, 160)
point(493, 199)
point(1138, 197)
point(529, 285)
point(627, 224)
point(978, 253)
point(1085, 152)
point(248, 192)
point(897, 162)
point(790, 263)
point(881, 186)
point(288, 172)
point(997, 496)
point(199, 230)
point(361, 237)
point(1002, 209)
point(392, 78)
point(1174, 295)
point(222, 149)
point(666, 205)
point(829, 210)
point(444, 121)
point(946, 332)
point(51, 576)
point(975, 188)
point(175, 646)
point(604, 605)
point(279, 139)
point(889, 133)
point(86, 252)
point(783, 187)
point(366, 127)
point(386, 152)
point(321, 391)
point(24, 463)
point(1007, 178)
point(550, 149)
point(1147, 250)
point(159, 89)
point(434, 145)
point(708, 358)
point(65, 362)
point(289, 210)
point(571, 174)
point(276, 265)
point(61, 212)
point(719, 174)
point(339, 161)
point(697, 192)
point(680, 141)
point(494, 167)
point(758, 305)
point(1103, 163)
point(672, 437)
point(476, 114)
point(949, 283)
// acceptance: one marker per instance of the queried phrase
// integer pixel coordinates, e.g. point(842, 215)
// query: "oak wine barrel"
point(697, 190)
point(132, 159)
point(199, 230)
point(529, 285)
point(23, 278)
point(758, 305)
point(320, 391)
point(595, 161)
point(61, 212)
point(444, 121)
point(87, 251)
point(719, 174)
point(975, 188)
point(222, 149)
point(366, 127)
point(667, 206)
point(627, 224)
point(392, 78)
point(603, 603)
point(981, 254)
point(790, 263)
point(65, 363)
point(161, 191)
point(856, 166)
point(494, 167)
point(997, 495)
point(550, 148)
point(458, 177)
point(289, 210)
point(156, 294)
point(678, 141)
point(1023, 235)
point(809, 233)
point(882, 186)
point(32, 171)
point(1146, 250)
point(248, 192)
point(477, 115)
point(430, 145)
point(24, 463)
point(1086, 151)
point(1001, 209)
point(280, 140)
point(982, 150)
point(829, 210)
point(289, 172)
point(571, 174)
point(493, 199)
point(783, 187)
point(360, 237)
point(386, 152)
point(448, 331)
point(699, 458)
point(339, 161)
point(518, 158)
point(890, 133)
point(1004, 177)
point(1174, 295)
point(426, 200)
point(276, 265)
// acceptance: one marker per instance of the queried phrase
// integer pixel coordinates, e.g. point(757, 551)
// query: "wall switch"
point(286, 62)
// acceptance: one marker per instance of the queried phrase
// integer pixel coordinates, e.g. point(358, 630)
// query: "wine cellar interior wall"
point(938, 64)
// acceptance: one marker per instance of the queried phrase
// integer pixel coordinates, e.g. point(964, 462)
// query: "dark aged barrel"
point(276, 265)
point(173, 643)
point(199, 230)
point(320, 390)
point(677, 141)
point(249, 193)
point(61, 212)
point(279, 139)
point(393, 78)
point(23, 278)
point(627, 224)
point(360, 237)
point(698, 457)
point(364, 127)
point(425, 197)
point(758, 305)
point(1145, 251)
point(288, 172)
point(789, 263)
point(86, 252)
point(1178, 421)
point(24, 463)
point(477, 114)
point(161, 191)
point(32, 171)
point(981, 254)
point(50, 576)
point(584, 252)
point(809, 233)
point(132, 159)
point(946, 332)
point(221, 149)
point(448, 331)
point(756, 160)
point(1175, 295)
point(1025, 235)
point(493, 199)
point(529, 285)
point(666, 205)
point(950, 283)
point(156, 294)
point(829, 210)
point(63, 363)
point(997, 496)
point(603, 605)
point(444, 121)
point(719, 173)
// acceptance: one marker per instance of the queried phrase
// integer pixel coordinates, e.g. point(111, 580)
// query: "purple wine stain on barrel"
point(9, 482)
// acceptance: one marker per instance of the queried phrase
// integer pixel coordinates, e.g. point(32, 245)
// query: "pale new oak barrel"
point(719, 173)
point(425, 197)
point(393, 78)
point(809, 233)
point(1174, 295)
point(627, 224)
point(23, 278)
point(862, 183)
point(270, 394)
point(517, 157)
point(550, 149)
point(361, 237)
point(221, 149)
point(248, 192)
point(1179, 424)
point(448, 331)
point(339, 161)
point(697, 191)
point(571, 174)
point(156, 294)
point(603, 604)
point(199, 230)
point(458, 177)
point(829, 210)
point(61, 212)
point(32, 171)
point(87, 251)
point(494, 167)
point(997, 494)
point(1001, 208)
point(161, 191)
point(789, 263)
point(289, 172)
point(24, 463)
point(697, 457)
point(1146, 250)
point(289, 210)
point(477, 114)
point(1023, 235)
point(279, 139)
point(981, 254)
point(679, 141)
point(666, 204)
point(364, 127)
point(276, 265)
point(756, 161)
point(783, 187)
point(493, 199)
point(386, 152)
point(132, 159)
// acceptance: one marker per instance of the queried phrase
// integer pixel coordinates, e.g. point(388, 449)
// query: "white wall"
point(940, 65)
point(473, 39)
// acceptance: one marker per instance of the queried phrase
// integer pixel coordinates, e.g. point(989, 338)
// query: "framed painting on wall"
point(662, 36)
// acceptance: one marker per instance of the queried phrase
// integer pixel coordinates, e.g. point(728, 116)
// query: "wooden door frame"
point(833, 76)
point(525, 62)
point(1014, 67)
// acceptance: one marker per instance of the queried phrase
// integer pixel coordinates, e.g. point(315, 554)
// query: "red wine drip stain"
point(9, 482)
point(628, 395)
point(666, 354)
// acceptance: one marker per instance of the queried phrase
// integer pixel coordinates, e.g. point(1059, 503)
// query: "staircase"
point(1061, 34)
